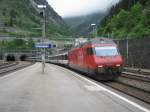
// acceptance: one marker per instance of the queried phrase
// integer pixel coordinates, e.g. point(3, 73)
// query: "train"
point(99, 58)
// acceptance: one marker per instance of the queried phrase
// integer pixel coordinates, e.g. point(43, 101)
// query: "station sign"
point(39, 45)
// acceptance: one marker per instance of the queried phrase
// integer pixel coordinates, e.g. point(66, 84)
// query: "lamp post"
point(43, 7)
point(94, 29)
point(127, 48)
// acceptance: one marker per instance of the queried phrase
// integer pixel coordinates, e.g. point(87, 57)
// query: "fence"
point(136, 52)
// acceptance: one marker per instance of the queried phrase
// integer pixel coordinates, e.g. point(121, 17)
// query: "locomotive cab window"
point(106, 51)
point(90, 51)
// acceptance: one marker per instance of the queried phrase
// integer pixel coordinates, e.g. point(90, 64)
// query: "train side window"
point(65, 57)
point(90, 51)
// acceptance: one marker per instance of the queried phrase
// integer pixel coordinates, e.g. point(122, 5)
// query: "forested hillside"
point(20, 18)
point(129, 18)
point(81, 24)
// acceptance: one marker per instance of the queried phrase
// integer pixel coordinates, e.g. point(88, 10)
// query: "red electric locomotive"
point(98, 57)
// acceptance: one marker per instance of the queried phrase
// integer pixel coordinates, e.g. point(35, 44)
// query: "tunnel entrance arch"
point(23, 58)
point(10, 58)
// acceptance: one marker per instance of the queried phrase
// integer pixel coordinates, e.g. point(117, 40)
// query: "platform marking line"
point(94, 88)
point(113, 93)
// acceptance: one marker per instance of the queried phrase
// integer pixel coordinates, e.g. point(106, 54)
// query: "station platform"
point(59, 90)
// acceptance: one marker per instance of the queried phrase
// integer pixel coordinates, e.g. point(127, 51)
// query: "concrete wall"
point(17, 55)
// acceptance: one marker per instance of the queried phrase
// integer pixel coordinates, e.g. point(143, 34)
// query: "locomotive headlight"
point(100, 69)
point(118, 65)
point(100, 66)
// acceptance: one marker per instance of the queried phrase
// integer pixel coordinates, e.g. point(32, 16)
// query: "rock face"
point(81, 24)
point(51, 14)
point(24, 17)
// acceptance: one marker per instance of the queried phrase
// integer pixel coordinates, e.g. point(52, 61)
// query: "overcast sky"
point(68, 8)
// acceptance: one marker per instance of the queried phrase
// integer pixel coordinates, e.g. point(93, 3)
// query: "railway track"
point(8, 64)
point(137, 76)
point(137, 71)
point(13, 66)
point(136, 80)
point(130, 90)
point(135, 85)
point(3, 63)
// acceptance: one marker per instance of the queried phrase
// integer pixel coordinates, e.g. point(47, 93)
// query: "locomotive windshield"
point(106, 51)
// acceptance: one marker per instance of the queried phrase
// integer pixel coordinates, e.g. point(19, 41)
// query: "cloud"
point(67, 8)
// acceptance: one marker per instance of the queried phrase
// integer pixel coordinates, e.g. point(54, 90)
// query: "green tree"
point(31, 43)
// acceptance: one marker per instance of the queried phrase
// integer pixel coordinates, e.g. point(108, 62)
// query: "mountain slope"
point(21, 17)
point(81, 24)
point(129, 18)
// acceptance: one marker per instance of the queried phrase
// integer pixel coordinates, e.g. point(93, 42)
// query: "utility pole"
point(127, 48)
point(94, 29)
point(43, 7)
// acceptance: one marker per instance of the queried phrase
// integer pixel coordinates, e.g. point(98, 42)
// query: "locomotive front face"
point(108, 59)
